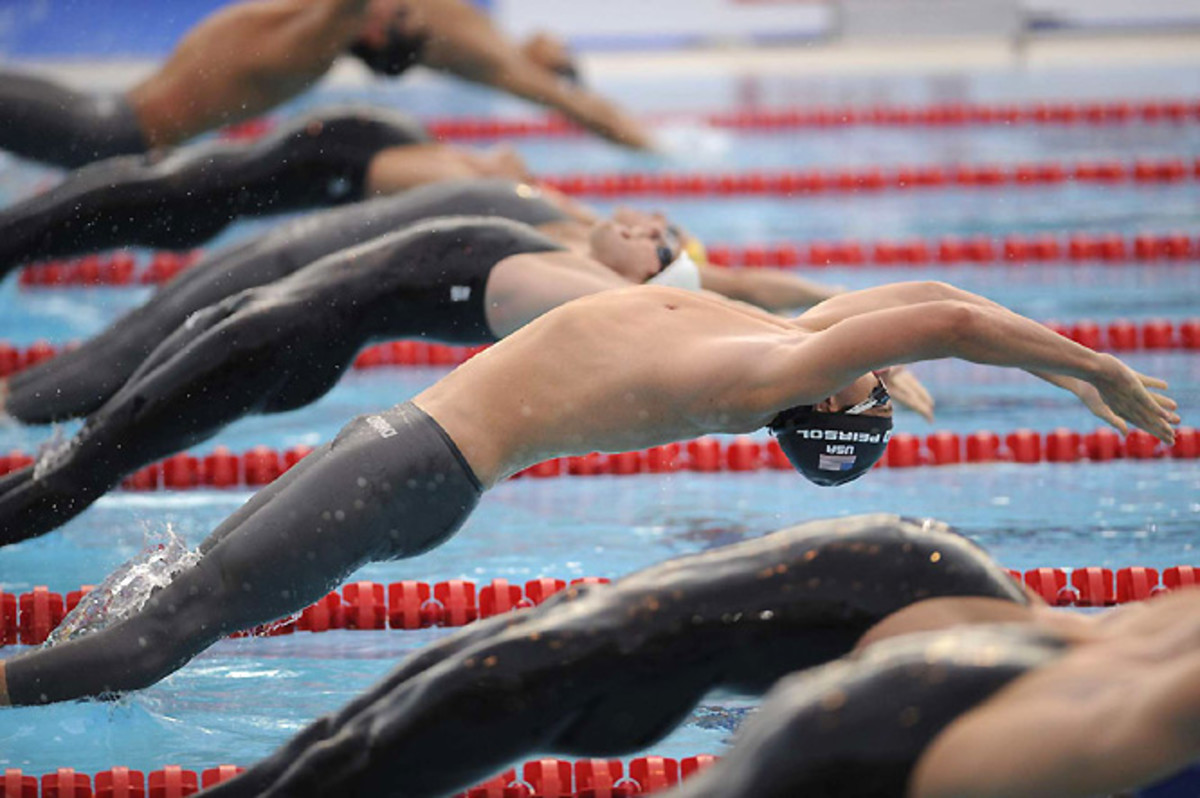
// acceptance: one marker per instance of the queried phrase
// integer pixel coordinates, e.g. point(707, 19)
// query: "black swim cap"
point(401, 51)
point(831, 448)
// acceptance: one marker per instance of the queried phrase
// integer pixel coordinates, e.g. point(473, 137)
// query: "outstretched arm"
point(770, 289)
point(832, 358)
point(464, 42)
point(898, 295)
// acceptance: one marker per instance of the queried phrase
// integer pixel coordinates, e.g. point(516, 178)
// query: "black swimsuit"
point(271, 349)
point(193, 193)
point(79, 381)
point(857, 728)
point(48, 122)
point(607, 670)
point(390, 485)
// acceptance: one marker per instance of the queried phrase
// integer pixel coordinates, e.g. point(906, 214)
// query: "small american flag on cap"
point(835, 462)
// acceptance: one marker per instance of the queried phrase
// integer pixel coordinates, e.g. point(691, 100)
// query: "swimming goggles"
point(670, 246)
point(877, 398)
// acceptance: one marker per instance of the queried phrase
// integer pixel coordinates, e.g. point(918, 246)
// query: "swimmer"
point(249, 57)
point(602, 670)
point(79, 381)
point(958, 688)
point(618, 370)
point(280, 346)
point(332, 157)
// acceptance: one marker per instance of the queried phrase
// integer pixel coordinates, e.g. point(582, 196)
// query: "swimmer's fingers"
point(1142, 410)
point(1094, 402)
point(1125, 391)
point(1152, 382)
point(1168, 406)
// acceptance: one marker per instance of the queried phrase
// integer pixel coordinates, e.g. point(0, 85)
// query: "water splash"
point(52, 452)
point(127, 589)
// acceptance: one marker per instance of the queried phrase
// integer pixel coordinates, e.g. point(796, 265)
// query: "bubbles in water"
point(127, 589)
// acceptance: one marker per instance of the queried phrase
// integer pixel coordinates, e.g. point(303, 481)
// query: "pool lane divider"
point(1121, 335)
point(540, 778)
point(1064, 113)
point(121, 268)
point(261, 465)
point(875, 179)
point(28, 618)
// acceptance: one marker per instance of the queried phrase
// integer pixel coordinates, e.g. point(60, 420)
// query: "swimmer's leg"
point(48, 122)
point(358, 498)
point(224, 366)
point(569, 677)
point(80, 380)
point(193, 193)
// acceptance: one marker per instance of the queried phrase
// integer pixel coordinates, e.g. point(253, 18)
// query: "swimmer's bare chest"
point(624, 369)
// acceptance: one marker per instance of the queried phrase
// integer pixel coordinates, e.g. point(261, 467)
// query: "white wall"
point(671, 19)
point(668, 23)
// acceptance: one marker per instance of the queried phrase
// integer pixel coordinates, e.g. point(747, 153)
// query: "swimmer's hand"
point(1123, 395)
point(608, 120)
point(906, 389)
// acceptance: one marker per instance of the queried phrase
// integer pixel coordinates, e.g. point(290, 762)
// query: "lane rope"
point(1061, 113)
point(260, 465)
point(123, 269)
point(541, 778)
point(872, 179)
point(28, 618)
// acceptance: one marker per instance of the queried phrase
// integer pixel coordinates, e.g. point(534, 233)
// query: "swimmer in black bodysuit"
point(740, 616)
point(331, 157)
point(961, 685)
point(277, 347)
point(251, 56)
point(677, 364)
point(79, 381)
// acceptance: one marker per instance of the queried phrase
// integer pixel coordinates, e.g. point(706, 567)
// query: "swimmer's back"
point(622, 369)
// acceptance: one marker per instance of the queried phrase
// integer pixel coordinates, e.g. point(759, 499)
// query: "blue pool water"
point(242, 698)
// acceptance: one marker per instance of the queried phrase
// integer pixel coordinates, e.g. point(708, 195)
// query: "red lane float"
point(544, 778)
point(1015, 250)
point(458, 602)
point(946, 114)
point(120, 269)
point(793, 183)
point(260, 465)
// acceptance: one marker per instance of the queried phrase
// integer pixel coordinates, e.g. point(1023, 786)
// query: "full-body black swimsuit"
point(79, 381)
point(48, 122)
point(271, 349)
point(390, 485)
point(606, 670)
point(186, 197)
point(857, 728)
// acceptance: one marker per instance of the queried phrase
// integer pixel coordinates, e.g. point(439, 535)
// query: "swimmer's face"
point(854, 393)
point(636, 252)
